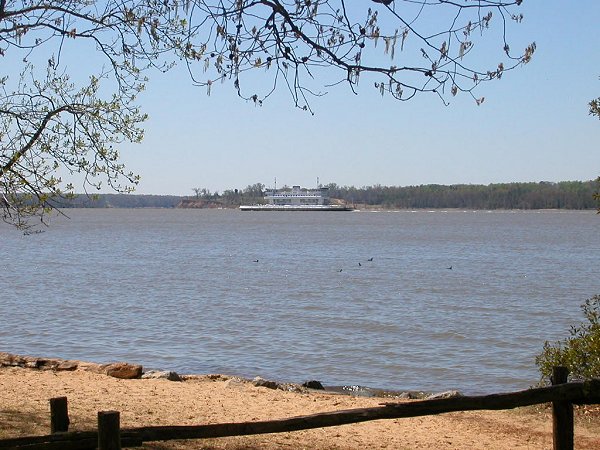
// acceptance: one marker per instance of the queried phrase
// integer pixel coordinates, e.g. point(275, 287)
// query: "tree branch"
point(21, 152)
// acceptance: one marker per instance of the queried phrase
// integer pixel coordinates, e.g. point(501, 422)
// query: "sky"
point(533, 126)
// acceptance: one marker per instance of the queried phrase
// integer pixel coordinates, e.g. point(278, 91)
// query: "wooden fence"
point(110, 436)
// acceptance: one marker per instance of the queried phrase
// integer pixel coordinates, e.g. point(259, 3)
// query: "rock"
point(8, 359)
point(446, 394)
point(122, 370)
point(90, 367)
point(48, 364)
point(219, 377)
point(234, 383)
point(161, 374)
point(67, 366)
point(313, 384)
point(412, 395)
point(291, 387)
point(29, 362)
point(261, 382)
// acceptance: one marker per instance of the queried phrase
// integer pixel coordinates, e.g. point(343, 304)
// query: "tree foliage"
point(595, 107)
point(72, 70)
point(580, 351)
point(58, 118)
point(597, 194)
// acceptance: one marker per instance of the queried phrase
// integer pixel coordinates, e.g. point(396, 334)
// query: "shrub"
point(580, 351)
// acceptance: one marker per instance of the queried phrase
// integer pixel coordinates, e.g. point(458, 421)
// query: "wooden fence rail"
point(562, 396)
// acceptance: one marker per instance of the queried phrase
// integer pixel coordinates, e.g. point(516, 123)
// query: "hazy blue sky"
point(533, 126)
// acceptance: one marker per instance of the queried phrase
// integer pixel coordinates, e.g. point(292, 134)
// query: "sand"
point(24, 410)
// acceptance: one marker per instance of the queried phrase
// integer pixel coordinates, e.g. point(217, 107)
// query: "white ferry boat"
point(296, 199)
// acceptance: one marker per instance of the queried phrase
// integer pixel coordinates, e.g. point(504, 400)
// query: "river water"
point(294, 296)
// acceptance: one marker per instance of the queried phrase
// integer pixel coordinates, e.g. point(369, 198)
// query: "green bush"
point(580, 352)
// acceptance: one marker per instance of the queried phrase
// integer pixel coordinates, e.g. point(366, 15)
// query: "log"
point(64, 439)
point(83, 440)
point(387, 411)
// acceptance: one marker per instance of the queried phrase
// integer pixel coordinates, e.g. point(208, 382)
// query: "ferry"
point(297, 199)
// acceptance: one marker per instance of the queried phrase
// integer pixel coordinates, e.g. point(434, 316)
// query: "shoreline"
point(214, 399)
point(126, 370)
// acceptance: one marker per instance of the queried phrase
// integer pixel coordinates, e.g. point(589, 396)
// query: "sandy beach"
point(25, 394)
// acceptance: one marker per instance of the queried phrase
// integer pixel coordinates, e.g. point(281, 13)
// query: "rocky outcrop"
point(198, 203)
point(117, 370)
point(132, 371)
point(31, 362)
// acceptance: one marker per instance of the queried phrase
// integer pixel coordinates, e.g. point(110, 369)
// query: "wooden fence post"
point(59, 415)
point(562, 414)
point(109, 430)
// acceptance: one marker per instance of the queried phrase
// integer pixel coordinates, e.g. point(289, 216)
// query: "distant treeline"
point(543, 195)
point(120, 201)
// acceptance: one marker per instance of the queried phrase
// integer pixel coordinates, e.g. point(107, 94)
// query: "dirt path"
point(24, 410)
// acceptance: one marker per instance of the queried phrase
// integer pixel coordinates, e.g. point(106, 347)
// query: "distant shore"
point(562, 195)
